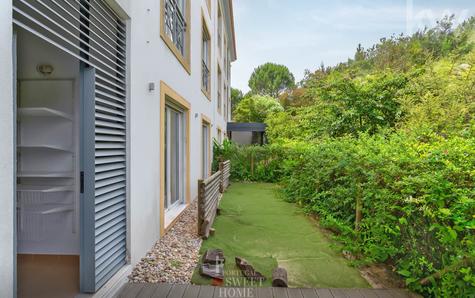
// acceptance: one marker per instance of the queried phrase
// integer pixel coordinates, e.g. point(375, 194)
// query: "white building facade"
point(108, 110)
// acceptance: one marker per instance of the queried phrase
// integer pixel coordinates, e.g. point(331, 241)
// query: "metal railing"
point(175, 24)
point(205, 76)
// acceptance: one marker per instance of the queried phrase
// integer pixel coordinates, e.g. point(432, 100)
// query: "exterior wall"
point(149, 61)
point(242, 137)
point(153, 62)
point(7, 180)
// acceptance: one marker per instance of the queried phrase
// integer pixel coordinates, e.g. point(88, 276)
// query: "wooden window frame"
point(220, 29)
point(205, 121)
point(219, 89)
point(185, 60)
point(205, 29)
point(220, 136)
point(167, 94)
point(208, 4)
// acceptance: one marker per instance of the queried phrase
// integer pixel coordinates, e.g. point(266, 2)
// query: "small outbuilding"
point(247, 133)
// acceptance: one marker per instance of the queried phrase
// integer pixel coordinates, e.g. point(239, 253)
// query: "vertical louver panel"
point(110, 178)
point(90, 31)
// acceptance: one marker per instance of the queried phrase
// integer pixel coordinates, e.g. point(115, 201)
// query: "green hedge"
point(416, 198)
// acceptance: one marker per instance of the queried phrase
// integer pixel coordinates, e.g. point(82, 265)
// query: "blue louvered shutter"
point(105, 162)
point(93, 33)
point(105, 183)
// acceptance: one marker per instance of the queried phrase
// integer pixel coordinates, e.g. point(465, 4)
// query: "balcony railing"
point(175, 24)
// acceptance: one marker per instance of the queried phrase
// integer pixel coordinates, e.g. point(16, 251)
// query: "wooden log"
point(214, 271)
point(279, 278)
point(248, 271)
point(214, 257)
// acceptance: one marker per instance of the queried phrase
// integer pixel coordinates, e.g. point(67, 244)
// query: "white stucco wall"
point(7, 180)
point(151, 61)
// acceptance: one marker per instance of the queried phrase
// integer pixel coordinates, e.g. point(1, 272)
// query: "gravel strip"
point(174, 257)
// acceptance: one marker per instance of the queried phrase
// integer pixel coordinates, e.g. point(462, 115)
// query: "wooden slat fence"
point(209, 194)
point(225, 169)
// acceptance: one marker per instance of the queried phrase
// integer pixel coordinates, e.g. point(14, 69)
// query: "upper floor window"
point(219, 135)
point(205, 60)
point(175, 29)
point(220, 86)
point(228, 65)
point(220, 28)
point(208, 3)
point(225, 103)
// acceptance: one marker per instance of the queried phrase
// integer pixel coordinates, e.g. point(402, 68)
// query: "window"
point(174, 157)
point(225, 58)
point(220, 86)
point(228, 65)
point(220, 28)
point(174, 29)
point(205, 150)
point(220, 138)
point(205, 60)
point(225, 103)
point(224, 53)
point(208, 3)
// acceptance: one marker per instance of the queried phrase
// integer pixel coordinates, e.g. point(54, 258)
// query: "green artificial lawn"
point(269, 232)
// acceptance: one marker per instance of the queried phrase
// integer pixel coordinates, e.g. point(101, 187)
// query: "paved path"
point(145, 290)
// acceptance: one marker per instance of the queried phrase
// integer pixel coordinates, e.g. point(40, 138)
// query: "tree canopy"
point(271, 79)
point(236, 97)
point(256, 108)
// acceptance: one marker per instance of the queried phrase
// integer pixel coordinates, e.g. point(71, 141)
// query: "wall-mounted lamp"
point(151, 87)
point(45, 69)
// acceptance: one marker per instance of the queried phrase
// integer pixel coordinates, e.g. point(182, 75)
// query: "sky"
point(302, 34)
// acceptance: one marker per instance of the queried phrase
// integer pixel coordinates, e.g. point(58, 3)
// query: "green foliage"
point(271, 79)
point(251, 163)
point(299, 124)
point(361, 105)
point(236, 97)
point(256, 108)
point(441, 96)
point(418, 199)
point(342, 106)
point(418, 202)
point(391, 131)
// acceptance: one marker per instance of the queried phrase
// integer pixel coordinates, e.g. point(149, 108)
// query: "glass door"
point(174, 157)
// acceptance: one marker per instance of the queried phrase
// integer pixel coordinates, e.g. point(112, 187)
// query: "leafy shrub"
point(418, 199)
point(256, 108)
point(251, 163)
point(383, 151)
point(418, 203)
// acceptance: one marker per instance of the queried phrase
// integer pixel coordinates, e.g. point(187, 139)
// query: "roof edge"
point(228, 9)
